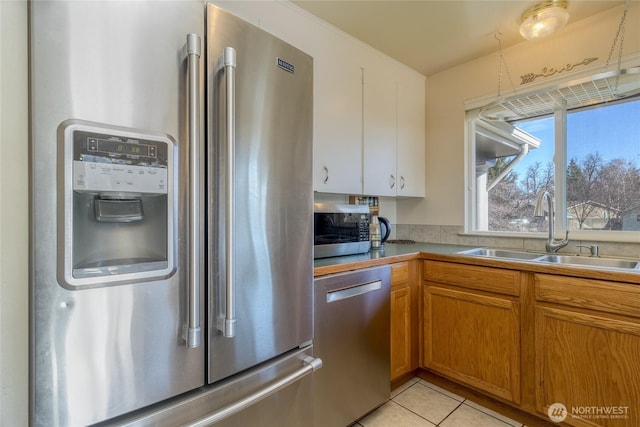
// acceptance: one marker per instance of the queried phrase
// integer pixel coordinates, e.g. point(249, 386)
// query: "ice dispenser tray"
point(114, 209)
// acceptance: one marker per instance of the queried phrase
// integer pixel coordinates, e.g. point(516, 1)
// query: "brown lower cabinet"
point(536, 341)
point(400, 332)
point(587, 354)
point(471, 335)
point(405, 287)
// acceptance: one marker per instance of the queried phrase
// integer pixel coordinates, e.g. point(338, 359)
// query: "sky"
point(613, 131)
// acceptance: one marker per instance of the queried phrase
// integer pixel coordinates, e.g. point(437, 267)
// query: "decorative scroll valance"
point(603, 87)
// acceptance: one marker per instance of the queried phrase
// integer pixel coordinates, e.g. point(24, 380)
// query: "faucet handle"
point(554, 245)
point(593, 249)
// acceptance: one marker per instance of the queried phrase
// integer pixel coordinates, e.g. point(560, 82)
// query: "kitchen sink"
point(590, 261)
point(500, 253)
point(571, 260)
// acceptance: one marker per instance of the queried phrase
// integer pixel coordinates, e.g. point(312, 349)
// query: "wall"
point(442, 210)
point(14, 178)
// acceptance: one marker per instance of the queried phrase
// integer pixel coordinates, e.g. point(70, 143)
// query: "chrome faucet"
point(552, 244)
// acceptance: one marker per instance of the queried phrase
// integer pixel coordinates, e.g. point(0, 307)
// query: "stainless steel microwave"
point(340, 229)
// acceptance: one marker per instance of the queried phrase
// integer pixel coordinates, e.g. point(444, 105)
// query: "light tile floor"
point(419, 403)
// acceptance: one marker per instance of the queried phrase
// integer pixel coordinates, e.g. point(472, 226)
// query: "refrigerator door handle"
point(228, 326)
point(194, 333)
point(310, 364)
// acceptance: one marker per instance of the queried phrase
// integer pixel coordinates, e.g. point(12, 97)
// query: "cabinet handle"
point(326, 174)
point(392, 181)
point(401, 182)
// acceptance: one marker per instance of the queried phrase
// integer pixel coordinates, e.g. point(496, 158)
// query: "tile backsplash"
point(451, 234)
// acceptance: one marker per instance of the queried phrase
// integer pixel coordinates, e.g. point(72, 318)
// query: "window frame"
point(559, 160)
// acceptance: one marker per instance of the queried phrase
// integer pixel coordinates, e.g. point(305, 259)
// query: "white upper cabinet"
point(379, 155)
point(411, 137)
point(337, 129)
point(394, 133)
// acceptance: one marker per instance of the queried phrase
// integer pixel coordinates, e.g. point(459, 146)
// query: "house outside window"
point(587, 157)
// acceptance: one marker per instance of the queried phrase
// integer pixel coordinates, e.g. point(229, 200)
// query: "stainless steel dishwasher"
point(351, 336)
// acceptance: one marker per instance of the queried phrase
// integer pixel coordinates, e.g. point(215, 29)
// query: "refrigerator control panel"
point(108, 162)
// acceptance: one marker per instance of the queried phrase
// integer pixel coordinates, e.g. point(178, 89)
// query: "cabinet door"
point(590, 364)
point(379, 155)
point(411, 137)
point(400, 332)
point(337, 141)
point(474, 339)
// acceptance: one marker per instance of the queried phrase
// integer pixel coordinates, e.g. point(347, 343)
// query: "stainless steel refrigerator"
point(171, 218)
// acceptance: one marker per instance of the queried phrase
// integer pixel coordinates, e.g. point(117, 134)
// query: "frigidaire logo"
point(286, 66)
point(557, 412)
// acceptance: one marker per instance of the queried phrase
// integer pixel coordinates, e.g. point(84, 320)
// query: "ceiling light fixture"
point(544, 19)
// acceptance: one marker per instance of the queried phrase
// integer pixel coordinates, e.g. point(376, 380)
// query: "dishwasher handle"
point(353, 291)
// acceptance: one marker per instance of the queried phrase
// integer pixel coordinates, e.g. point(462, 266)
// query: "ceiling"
point(433, 35)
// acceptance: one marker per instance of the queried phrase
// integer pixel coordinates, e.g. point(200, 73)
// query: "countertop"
point(391, 252)
point(394, 252)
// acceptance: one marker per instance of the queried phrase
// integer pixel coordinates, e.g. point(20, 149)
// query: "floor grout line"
point(460, 402)
point(415, 413)
point(493, 416)
point(449, 414)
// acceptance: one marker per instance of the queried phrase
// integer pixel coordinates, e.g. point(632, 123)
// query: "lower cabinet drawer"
point(496, 280)
point(592, 294)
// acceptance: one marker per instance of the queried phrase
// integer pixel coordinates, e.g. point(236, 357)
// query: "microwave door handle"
point(228, 327)
point(194, 333)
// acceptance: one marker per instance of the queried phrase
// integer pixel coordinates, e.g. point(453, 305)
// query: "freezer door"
point(274, 394)
point(100, 349)
point(260, 202)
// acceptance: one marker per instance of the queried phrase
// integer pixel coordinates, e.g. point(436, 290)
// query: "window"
point(587, 158)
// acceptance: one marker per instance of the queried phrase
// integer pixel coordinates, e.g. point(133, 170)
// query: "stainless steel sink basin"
point(590, 261)
point(500, 253)
point(570, 260)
